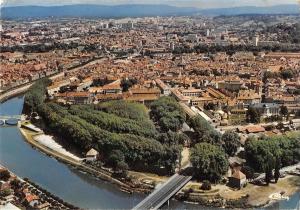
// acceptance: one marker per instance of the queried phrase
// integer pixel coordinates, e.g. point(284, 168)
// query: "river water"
point(62, 180)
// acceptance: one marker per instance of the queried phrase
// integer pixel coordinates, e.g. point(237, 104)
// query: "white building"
point(92, 155)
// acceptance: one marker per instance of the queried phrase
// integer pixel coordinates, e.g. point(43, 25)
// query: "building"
point(201, 101)
point(143, 95)
point(237, 179)
point(55, 87)
point(112, 88)
point(92, 155)
point(267, 109)
point(44, 206)
point(254, 129)
point(248, 97)
point(191, 92)
point(75, 97)
point(32, 200)
point(85, 84)
point(165, 89)
point(128, 25)
point(232, 85)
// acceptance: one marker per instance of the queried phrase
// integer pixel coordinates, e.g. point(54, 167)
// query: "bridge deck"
point(162, 194)
point(6, 117)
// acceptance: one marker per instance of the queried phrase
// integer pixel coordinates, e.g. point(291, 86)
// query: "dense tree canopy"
point(230, 142)
point(108, 129)
point(203, 131)
point(252, 115)
point(284, 110)
point(4, 175)
point(209, 161)
point(35, 96)
point(124, 109)
point(127, 83)
point(273, 153)
point(112, 122)
point(167, 113)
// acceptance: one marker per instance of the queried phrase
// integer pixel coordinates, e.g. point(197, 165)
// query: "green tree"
point(212, 137)
point(36, 95)
point(206, 185)
point(127, 83)
point(248, 171)
point(5, 192)
point(231, 142)
point(284, 110)
point(4, 175)
point(116, 158)
point(209, 161)
point(276, 171)
point(167, 113)
point(287, 74)
point(272, 153)
point(203, 131)
point(15, 183)
point(252, 115)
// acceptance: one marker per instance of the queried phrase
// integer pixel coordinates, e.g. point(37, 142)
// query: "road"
point(14, 92)
point(163, 193)
point(24, 88)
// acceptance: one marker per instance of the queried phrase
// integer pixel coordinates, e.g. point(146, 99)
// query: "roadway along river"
point(63, 181)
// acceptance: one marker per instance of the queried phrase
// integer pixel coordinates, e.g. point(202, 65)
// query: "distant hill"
point(103, 11)
point(277, 9)
point(134, 10)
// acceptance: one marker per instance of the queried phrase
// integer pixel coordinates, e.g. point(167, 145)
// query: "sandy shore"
point(259, 195)
point(29, 136)
point(49, 142)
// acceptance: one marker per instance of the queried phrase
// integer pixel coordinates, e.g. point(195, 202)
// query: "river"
point(62, 180)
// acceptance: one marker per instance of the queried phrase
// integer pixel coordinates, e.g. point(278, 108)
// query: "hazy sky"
point(188, 3)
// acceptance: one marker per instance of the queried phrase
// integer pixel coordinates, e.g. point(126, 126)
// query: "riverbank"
point(219, 196)
point(98, 173)
point(14, 92)
point(18, 193)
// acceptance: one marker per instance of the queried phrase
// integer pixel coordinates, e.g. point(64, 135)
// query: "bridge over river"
point(10, 119)
point(6, 117)
point(163, 193)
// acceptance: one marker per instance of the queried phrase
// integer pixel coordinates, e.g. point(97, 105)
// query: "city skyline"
point(179, 3)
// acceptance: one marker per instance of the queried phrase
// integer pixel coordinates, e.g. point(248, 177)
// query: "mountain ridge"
point(135, 10)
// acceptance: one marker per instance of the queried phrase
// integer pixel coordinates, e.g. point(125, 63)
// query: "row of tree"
point(41, 47)
point(211, 149)
point(35, 95)
point(204, 132)
point(284, 74)
point(131, 150)
point(121, 108)
point(168, 114)
point(271, 154)
point(231, 49)
point(112, 128)
point(253, 115)
point(112, 122)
